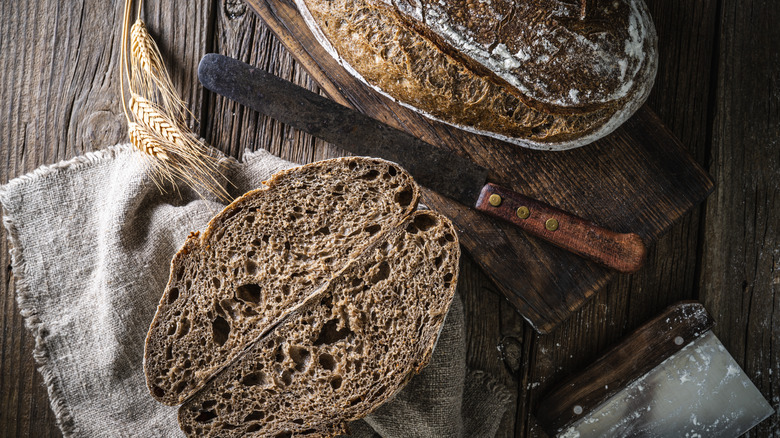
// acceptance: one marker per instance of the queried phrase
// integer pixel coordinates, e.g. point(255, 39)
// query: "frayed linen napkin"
point(91, 244)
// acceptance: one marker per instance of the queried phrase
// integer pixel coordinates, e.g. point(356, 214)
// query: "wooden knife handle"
point(623, 252)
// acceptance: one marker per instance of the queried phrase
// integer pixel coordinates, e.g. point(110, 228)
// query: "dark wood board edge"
point(623, 364)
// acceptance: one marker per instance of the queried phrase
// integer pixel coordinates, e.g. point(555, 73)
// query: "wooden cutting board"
point(638, 179)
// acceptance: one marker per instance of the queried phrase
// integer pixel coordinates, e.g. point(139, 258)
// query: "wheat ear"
point(156, 116)
point(149, 73)
point(141, 139)
point(184, 155)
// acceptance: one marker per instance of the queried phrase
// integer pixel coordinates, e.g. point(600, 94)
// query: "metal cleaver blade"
point(433, 167)
point(699, 390)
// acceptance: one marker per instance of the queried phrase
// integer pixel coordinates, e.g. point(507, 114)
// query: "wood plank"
point(62, 61)
point(740, 280)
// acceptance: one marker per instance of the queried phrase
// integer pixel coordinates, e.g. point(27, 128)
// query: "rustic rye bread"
point(542, 74)
point(262, 257)
point(348, 349)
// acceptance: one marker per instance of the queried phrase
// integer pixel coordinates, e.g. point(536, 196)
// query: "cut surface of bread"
point(542, 74)
point(263, 256)
point(347, 350)
point(304, 305)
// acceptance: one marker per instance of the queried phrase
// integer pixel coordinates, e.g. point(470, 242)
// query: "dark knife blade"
point(433, 167)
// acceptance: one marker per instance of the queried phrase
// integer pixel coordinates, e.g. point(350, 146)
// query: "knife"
point(435, 168)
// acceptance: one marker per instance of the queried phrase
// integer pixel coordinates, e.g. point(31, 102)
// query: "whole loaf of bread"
point(544, 74)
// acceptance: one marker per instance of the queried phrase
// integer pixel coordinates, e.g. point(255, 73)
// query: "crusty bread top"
point(527, 72)
point(545, 48)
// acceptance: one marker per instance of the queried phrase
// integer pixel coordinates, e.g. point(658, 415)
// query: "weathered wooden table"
point(718, 89)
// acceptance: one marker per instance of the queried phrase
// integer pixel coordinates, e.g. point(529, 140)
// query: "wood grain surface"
point(717, 90)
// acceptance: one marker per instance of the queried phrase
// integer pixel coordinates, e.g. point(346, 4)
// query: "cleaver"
point(441, 171)
point(670, 378)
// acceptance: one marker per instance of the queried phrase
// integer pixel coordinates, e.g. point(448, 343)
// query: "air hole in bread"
point(254, 427)
point(330, 334)
point(215, 281)
point(404, 197)
point(249, 219)
point(373, 229)
point(370, 175)
point(254, 416)
point(425, 222)
point(159, 392)
point(324, 231)
point(169, 352)
point(228, 426)
point(286, 378)
point(392, 170)
point(250, 267)
point(179, 387)
point(208, 404)
point(300, 356)
point(250, 293)
point(382, 273)
point(437, 261)
point(327, 361)
point(279, 356)
point(335, 382)
point(448, 277)
point(352, 165)
point(205, 416)
point(253, 379)
point(173, 295)
point(220, 329)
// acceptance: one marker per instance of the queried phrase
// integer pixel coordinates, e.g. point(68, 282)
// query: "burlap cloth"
point(91, 243)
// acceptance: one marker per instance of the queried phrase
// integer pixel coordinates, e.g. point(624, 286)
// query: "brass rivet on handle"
point(523, 212)
point(551, 224)
point(494, 200)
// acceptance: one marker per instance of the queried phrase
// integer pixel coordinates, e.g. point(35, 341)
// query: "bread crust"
point(530, 73)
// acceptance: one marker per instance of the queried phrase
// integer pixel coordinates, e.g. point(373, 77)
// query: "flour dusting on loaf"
point(304, 288)
point(543, 74)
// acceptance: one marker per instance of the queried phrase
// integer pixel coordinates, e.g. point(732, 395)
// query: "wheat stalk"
point(156, 116)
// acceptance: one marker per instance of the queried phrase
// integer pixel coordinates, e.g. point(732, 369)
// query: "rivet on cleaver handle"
point(432, 167)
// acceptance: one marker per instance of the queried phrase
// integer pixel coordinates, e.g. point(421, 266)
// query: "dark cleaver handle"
point(623, 252)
